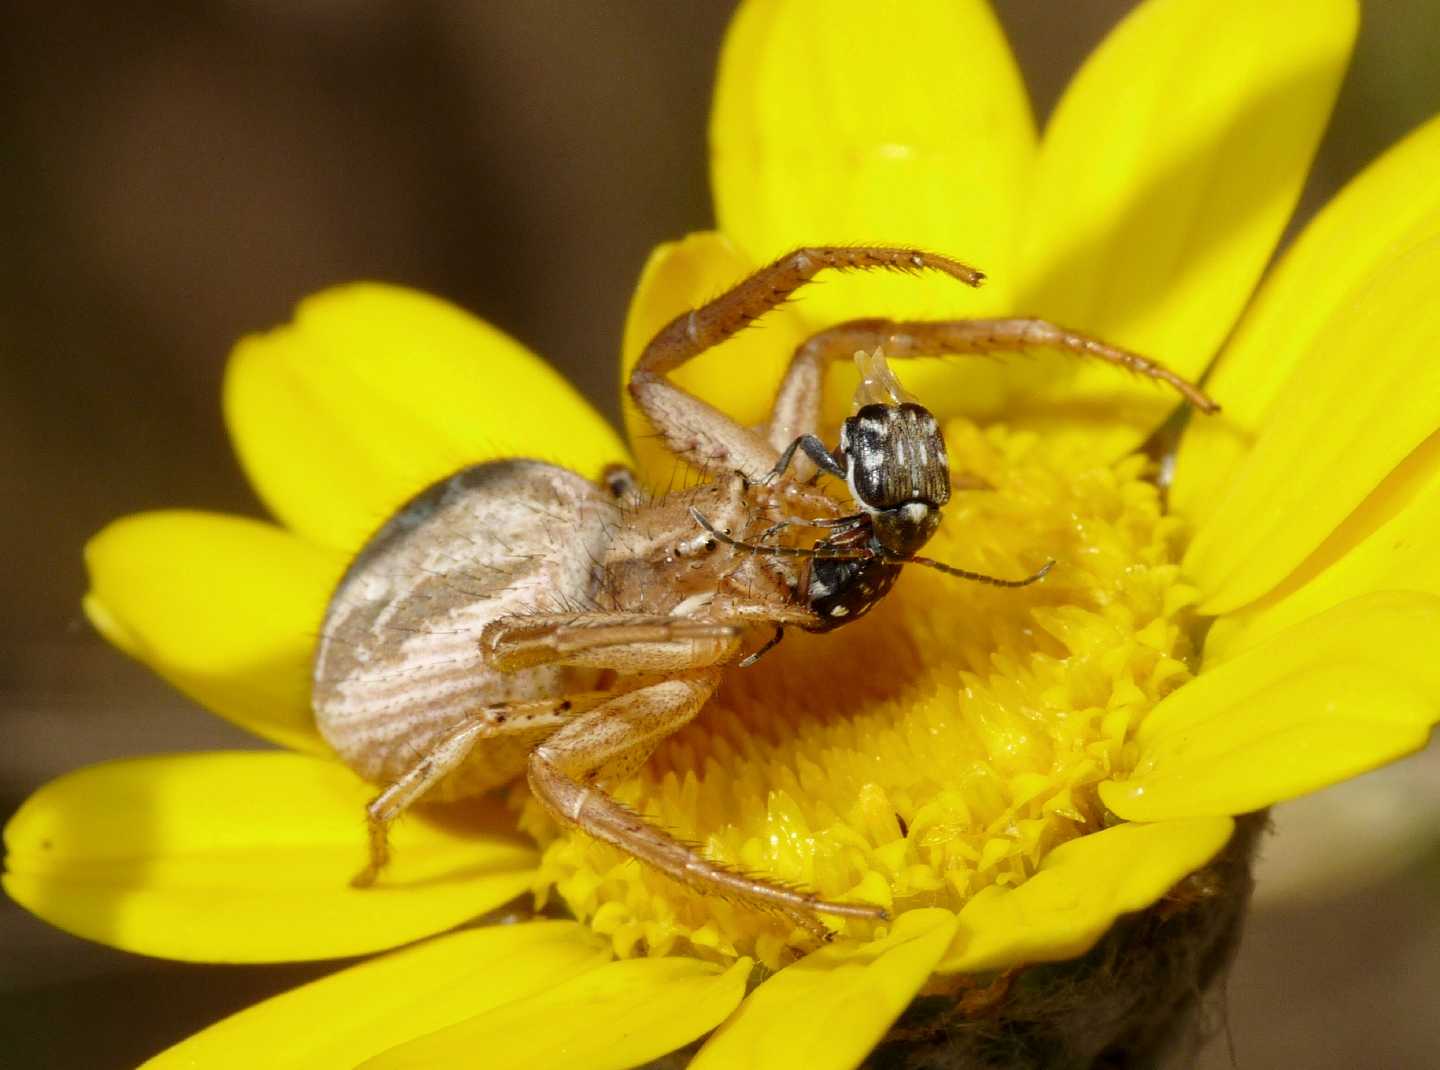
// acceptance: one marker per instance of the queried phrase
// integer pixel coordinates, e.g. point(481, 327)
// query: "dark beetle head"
point(898, 472)
point(844, 589)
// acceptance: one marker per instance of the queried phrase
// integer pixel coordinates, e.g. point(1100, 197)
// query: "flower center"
point(942, 744)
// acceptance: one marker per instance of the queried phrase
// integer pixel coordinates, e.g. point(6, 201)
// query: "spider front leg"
point(610, 743)
point(698, 432)
point(796, 411)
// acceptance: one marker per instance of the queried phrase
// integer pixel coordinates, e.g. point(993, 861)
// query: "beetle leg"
point(623, 642)
point(609, 743)
point(809, 446)
point(764, 648)
point(533, 719)
point(797, 403)
point(835, 522)
point(703, 435)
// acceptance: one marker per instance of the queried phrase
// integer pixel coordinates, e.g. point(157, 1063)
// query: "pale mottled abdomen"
point(399, 662)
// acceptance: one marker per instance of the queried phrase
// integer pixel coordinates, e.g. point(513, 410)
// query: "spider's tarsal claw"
point(864, 911)
point(365, 878)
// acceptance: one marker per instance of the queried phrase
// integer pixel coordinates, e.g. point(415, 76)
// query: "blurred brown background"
point(173, 175)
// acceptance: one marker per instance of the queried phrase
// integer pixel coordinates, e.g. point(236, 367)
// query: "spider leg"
point(698, 432)
point(623, 642)
point(608, 744)
point(519, 721)
point(797, 403)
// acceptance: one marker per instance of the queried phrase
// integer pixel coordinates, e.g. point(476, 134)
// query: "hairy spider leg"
point(796, 412)
point(701, 434)
point(615, 737)
point(610, 743)
point(623, 642)
point(535, 719)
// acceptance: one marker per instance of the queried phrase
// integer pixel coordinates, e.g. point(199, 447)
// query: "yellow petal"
point(338, 1021)
point(374, 392)
point(247, 857)
point(1166, 176)
point(1390, 208)
point(620, 1015)
point(738, 377)
point(1387, 543)
point(830, 1008)
point(1079, 891)
point(1362, 398)
point(1327, 699)
point(226, 609)
point(892, 123)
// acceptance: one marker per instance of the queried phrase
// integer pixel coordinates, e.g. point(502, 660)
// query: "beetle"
point(517, 619)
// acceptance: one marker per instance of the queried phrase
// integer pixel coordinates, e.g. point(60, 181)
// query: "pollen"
point(943, 744)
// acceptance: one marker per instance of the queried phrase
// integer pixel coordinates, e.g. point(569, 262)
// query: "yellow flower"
point(1009, 772)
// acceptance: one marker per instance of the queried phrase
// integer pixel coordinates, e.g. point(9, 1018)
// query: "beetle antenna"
point(979, 577)
point(779, 551)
